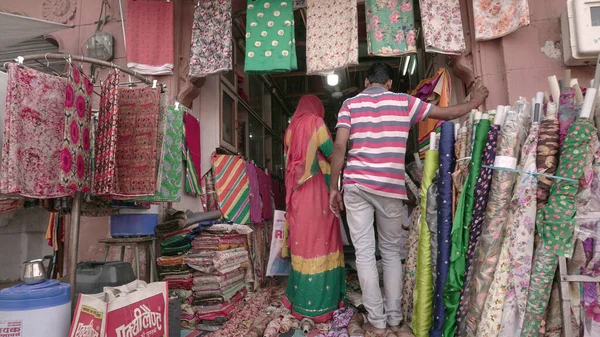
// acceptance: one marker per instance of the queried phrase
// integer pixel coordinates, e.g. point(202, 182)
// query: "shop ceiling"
point(351, 80)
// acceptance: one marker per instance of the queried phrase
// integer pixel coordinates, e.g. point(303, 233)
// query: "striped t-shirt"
point(379, 121)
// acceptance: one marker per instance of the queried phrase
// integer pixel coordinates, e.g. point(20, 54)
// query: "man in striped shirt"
point(377, 123)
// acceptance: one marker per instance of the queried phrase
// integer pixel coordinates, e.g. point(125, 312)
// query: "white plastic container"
point(42, 309)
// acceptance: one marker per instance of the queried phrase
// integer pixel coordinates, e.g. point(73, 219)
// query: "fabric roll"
point(555, 222)
point(172, 162)
point(497, 19)
point(76, 165)
point(331, 35)
point(210, 201)
point(547, 158)
point(462, 166)
point(233, 188)
point(33, 134)
point(270, 39)
point(482, 193)
point(410, 267)
point(442, 26)
point(255, 210)
point(106, 135)
point(150, 36)
point(423, 294)
point(460, 232)
point(568, 111)
point(390, 28)
point(432, 224)
point(444, 224)
point(211, 50)
point(3, 87)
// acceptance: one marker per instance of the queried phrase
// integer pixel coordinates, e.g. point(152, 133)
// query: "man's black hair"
point(380, 72)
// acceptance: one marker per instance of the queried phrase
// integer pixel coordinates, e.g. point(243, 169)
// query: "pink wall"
point(516, 66)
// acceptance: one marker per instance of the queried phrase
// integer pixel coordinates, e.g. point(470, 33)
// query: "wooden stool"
point(149, 241)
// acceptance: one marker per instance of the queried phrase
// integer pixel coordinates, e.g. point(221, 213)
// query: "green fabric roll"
point(423, 296)
point(460, 231)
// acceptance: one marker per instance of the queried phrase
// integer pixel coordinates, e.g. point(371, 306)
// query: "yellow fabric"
point(423, 295)
point(319, 264)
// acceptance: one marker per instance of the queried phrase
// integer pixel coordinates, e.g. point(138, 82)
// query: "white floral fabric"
point(498, 18)
point(442, 26)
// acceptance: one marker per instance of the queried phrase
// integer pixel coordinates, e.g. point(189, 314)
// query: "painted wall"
point(520, 63)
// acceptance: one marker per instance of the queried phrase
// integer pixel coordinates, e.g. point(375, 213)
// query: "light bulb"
point(333, 79)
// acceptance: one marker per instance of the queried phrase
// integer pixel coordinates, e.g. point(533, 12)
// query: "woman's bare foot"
point(370, 328)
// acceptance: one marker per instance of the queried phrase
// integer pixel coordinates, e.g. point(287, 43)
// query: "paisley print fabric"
point(391, 27)
point(33, 134)
point(75, 154)
point(547, 158)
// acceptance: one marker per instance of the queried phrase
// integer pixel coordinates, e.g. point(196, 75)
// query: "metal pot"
point(34, 271)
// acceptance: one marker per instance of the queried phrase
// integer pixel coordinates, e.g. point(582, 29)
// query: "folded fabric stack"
point(219, 256)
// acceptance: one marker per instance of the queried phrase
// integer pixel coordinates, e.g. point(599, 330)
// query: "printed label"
point(142, 319)
point(89, 323)
point(12, 328)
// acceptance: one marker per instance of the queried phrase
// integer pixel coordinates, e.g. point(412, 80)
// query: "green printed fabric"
point(460, 231)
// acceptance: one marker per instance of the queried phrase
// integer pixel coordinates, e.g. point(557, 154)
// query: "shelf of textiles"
point(54, 146)
point(505, 196)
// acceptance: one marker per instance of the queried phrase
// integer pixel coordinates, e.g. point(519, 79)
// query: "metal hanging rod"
point(84, 59)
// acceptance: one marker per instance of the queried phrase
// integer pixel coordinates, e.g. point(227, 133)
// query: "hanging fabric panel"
point(442, 26)
point(211, 50)
point(76, 163)
point(192, 153)
point(33, 134)
point(150, 36)
point(106, 136)
point(555, 223)
point(460, 232)
point(424, 283)
point(265, 194)
point(255, 210)
point(331, 35)
point(210, 201)
point(3, 87)
point(391, 27)
point(270, 37)
point(495, 19)
point(233, 188)
point(444, 224)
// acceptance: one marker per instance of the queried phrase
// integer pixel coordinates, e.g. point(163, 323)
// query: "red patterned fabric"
point(33, 134)
point(75, 158)
point(150, 36)
point(264, 182)
point(106, 136)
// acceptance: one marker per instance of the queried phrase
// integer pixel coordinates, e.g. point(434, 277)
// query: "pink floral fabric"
point(391, 27)
point(106, 136)
point(33, 134)
point(497, 18)
point(442, 26)
point(331, 35)
point(75, 154)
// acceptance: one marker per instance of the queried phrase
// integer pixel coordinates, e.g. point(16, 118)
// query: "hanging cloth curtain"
point(106, 135)
point(233, 187)
point(495, 19)
point(460, 232)
point(424, 283)
point(555, 223)
point(436, 90)
point(444, 224)
point(33, 134)
point(270, 39)
point(331, 35)
point(211, 50)
point(442, 26)
point(390, 28)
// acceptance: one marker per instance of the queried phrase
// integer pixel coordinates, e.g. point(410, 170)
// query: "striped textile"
point(379, 121)
point(233, 187)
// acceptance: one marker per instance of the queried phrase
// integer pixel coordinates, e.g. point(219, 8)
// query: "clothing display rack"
point(77, 199)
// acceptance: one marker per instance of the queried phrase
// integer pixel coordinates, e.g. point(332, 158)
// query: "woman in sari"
point(316, 286)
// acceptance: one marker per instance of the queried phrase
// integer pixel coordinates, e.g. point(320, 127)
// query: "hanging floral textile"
point(211, 50)
point(442, 26)
point(460, 232)
point(150, 36)
point(75, 155)
point(444, 224)
point(331, 35)
point(423, 293)
point(106, 136)
point(33, 134)
point(555, 223)
point(495, 19)
point(270, 37)
point(3, 84)
point(436, 90)
point(172, 163)
point(233, 189)
point(410, 265)
point(391, 27)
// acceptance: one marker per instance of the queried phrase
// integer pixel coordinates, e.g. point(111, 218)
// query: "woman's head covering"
point(309, 105)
